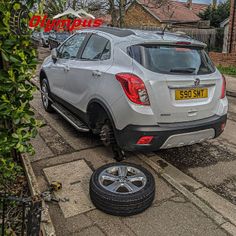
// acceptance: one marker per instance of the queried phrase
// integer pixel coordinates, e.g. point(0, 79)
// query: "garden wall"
point(223, 59)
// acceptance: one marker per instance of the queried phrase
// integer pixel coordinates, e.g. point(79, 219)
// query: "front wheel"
point(45, 92)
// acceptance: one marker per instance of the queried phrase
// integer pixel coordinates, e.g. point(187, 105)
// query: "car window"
point(106, 52)
point(173, 59)
point(96, 48)
point(70, 48)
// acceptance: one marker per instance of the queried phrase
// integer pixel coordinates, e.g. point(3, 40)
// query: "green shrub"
point(230, 70)
point(17, 122)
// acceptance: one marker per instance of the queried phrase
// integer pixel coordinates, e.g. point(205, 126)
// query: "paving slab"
point(171, 218)
point(67, 226)
point(95, 158)
point(227, 209)
point(74, 177)
point(41, 149)
point(91, 231)
point(112, 225)
point(229, 228)
point(231, 85)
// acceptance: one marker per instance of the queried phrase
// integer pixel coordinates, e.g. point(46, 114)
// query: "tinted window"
point(176, 60)
point(70, 48)
point(106, 52)
point(62, 36)
point(96, 48)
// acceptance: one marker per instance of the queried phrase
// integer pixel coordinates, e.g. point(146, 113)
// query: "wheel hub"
point(106, 135)
point(122, 179)
point(45, 95)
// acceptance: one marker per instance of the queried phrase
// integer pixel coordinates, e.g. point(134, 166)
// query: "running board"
point(79, 125)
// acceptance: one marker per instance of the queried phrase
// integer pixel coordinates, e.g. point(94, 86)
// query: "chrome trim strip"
point(191, 86)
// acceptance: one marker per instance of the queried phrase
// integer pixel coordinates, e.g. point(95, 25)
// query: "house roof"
point(173, 11)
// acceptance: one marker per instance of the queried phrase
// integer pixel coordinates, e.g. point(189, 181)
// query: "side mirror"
point(54, 54)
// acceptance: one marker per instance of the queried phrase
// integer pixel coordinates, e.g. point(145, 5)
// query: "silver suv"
point(139, 90)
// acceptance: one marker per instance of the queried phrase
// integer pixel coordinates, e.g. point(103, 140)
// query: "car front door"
point(60, 68)
point(87, 71)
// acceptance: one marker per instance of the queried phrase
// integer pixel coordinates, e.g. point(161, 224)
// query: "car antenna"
point(164, 29)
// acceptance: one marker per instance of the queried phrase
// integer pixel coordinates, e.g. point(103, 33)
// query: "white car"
point(139, 90)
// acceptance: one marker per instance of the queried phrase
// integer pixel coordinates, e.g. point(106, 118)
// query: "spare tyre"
point(122, 189)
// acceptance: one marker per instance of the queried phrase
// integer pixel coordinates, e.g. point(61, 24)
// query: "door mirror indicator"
point(54, 55)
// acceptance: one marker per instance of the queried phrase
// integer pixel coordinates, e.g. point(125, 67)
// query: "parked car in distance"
point(44, 38)
point(56, 38)
point(142, 90)
point(36, 38)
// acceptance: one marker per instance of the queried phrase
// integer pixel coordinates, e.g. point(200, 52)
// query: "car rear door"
point(87, 71)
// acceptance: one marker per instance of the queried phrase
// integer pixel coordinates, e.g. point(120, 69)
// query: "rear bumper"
point(128, 137)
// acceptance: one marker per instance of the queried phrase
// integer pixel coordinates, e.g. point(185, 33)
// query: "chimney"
point(190, 4)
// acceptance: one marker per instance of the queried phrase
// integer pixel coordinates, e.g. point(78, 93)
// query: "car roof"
point(144, 36)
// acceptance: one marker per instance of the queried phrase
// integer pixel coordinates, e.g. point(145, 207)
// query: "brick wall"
point(137, 16)
point(232, 28)
point(224, 59)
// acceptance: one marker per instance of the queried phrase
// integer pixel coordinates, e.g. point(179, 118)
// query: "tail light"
point(223, 88)
point(134, 88)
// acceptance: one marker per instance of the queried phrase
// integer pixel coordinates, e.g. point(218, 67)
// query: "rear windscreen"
point(172, 59)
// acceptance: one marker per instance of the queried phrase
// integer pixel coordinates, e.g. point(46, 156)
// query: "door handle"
point(96, 73)
point(66, 68)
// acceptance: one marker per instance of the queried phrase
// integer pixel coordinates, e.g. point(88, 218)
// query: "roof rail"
point(116, 31)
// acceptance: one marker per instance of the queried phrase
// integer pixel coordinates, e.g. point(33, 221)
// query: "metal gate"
point(20, 216)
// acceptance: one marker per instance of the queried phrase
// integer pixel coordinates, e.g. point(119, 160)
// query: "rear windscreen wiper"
point(183, 70)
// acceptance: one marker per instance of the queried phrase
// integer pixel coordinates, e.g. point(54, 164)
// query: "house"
point(148, 13)
point(225, 25)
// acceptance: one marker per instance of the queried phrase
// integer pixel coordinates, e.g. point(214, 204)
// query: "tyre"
point(45, 93)
point(122, 189)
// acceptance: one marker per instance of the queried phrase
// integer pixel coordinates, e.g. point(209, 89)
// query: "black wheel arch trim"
point(41, 77)
point(104, 106)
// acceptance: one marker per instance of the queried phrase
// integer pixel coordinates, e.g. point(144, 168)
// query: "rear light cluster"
point(134, 88)
point(223, 88)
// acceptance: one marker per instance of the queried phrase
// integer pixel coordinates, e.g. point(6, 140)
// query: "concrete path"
point(58, 158)
point(231, 85)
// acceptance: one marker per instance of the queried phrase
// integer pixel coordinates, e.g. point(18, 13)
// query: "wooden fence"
point(209, 36)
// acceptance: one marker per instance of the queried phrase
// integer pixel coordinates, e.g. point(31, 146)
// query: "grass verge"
point(231, 70)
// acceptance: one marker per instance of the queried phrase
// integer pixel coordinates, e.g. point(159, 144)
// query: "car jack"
point(119, 154)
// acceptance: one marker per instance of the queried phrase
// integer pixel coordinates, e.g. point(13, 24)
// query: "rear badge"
point(196, 82)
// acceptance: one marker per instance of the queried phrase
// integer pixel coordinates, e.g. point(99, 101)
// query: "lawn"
point(231, 70)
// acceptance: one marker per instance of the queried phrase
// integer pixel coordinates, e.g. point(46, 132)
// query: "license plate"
point(186, 94)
